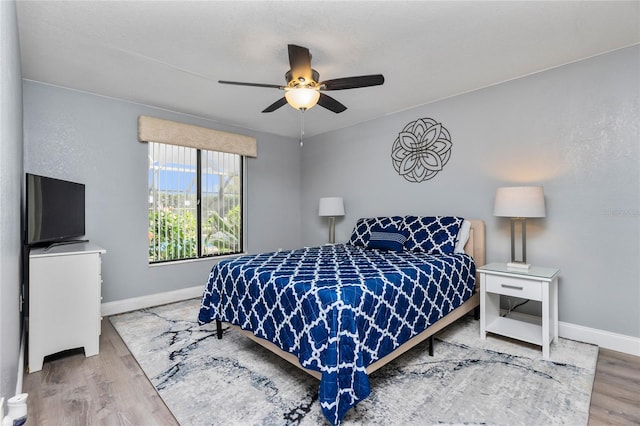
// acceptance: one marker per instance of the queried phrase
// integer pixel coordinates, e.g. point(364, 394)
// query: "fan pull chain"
point(301, 125)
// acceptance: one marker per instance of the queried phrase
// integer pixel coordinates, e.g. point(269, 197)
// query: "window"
point(195, 203)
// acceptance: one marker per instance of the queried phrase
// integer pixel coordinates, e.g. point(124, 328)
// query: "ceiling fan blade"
point(277, 104)
point(331, 104)
point(353, 82)
point(240, 83)
point(300, 61)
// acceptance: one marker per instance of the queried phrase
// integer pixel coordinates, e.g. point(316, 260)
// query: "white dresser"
point(64, 301)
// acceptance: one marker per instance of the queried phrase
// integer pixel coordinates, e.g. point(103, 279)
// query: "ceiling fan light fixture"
point(302, 98)
point(303, 87)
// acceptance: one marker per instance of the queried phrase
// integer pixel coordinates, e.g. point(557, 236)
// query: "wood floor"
point(111, 389)
point(106, 389)
point(615, 399)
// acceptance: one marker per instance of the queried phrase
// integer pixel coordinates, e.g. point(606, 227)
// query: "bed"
point(342, 311)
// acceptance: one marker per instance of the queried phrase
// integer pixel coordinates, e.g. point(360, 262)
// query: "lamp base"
point(518, 266)
point(332, 229)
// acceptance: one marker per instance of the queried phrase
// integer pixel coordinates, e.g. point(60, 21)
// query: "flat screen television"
point(55, 210)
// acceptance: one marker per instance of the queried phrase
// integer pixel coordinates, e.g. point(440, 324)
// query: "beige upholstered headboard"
point(475, 244)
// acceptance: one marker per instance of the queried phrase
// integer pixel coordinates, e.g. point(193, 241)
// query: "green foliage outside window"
point(220, 235)
point(172, 234)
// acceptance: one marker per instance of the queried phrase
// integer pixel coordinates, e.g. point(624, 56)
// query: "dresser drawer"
point(516, 287)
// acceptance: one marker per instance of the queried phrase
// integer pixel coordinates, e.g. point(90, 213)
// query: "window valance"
point(174, 133)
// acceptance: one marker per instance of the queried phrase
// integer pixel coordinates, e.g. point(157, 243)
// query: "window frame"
point(242, 234)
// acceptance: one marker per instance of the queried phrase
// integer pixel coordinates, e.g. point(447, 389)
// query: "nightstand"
point(537, 283)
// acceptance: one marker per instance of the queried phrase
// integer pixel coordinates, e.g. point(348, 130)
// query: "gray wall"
point(91, 139)
point(10, 198)
point(574, 130)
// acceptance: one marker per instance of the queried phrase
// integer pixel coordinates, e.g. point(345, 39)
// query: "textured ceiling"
point(171, 54)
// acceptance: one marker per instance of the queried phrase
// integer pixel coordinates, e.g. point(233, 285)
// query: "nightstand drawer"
point(516, 287)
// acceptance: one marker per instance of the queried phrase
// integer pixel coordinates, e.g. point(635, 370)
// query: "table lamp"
point(331, 207)
point(519, 203)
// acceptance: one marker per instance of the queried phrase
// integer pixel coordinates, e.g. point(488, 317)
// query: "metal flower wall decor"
point(421, 150)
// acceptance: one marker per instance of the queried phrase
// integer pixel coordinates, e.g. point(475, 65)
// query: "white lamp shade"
point(519, 201)
point(331, 206)
point(302, 97)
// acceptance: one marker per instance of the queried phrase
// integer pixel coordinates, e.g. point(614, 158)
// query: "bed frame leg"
point(219, 329)
point(431, 345)
point(476, 313)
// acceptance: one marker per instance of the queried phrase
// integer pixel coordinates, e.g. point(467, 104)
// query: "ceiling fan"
point(303, 88)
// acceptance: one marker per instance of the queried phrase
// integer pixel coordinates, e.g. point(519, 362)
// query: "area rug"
point(206, 381)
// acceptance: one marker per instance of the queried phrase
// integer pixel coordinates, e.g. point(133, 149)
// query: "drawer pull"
point(514, 287)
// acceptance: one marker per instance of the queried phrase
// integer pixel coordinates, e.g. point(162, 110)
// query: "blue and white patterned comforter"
point(337, 308)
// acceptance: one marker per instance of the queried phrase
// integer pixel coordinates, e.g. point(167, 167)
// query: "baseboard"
point(20, 377)
point(127, 305)
point(604, 339)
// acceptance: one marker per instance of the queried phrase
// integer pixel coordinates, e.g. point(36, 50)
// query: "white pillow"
point(463, 236)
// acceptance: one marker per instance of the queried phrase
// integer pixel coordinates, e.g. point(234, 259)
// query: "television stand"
point(63, 243)
point(64, 301)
